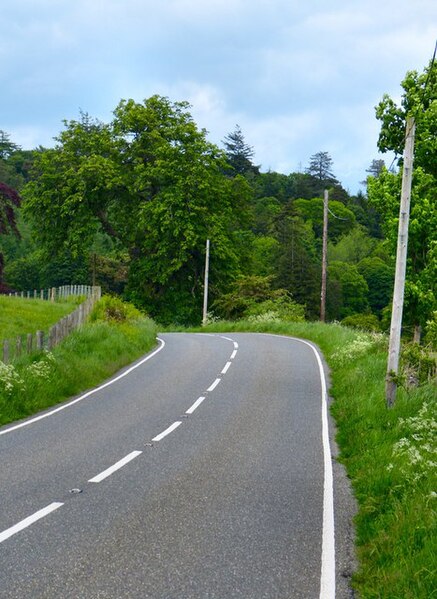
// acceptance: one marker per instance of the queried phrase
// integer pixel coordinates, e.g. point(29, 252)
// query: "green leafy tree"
point(419, 99)
point(352, 246)
point(341, 219)
point(379, 277)
point(151, 181)
point(253, 296)
point(297, 264)
point(347, 291)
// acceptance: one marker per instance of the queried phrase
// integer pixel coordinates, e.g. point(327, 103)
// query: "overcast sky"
point(298, 76)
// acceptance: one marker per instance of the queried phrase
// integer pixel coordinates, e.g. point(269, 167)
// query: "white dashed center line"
point(214, 385)
point(195, 405)
point(226, 367)
point(9, 532)
point(115, 467)
point(167, 431)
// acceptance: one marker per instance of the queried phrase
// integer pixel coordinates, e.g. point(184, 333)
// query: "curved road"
point(202, 471)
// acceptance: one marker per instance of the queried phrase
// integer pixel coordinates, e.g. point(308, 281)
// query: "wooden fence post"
point(6, 351)
point(29, 344)
point(39, 340)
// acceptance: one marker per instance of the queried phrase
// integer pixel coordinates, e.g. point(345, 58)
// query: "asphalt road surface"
point(202, 471)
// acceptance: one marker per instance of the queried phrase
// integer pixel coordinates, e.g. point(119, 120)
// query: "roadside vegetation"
point(116, 334)
point(19, 316)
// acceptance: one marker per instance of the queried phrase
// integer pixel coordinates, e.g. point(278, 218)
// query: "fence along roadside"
point(39, 341)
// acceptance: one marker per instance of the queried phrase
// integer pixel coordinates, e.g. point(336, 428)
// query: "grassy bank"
point(19, 316)
point(84, 359)
point(389, 454)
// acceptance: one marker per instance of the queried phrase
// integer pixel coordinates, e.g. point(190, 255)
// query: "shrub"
point(365, 322)
point(113, 309)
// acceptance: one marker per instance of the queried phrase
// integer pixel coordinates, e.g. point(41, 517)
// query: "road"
point(202, 471)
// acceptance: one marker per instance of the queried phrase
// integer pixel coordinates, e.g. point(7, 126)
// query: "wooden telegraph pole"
point(401, 265)
point(324, 257)
point(205, 286)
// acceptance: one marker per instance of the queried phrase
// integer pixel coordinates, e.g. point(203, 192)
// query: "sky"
point(298, 76)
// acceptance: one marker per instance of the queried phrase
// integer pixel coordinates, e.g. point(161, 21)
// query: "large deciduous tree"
point(419, 99)
point(151, 181)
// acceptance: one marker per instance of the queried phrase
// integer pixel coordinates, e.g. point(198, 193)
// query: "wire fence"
point(32, 342)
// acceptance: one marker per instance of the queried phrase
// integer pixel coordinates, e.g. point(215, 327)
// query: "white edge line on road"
point(74, 401)
point(9, 532)
point(327, 575)
point(234, 353)
point(99, 477)
point(226, 367)
point(214, 385)
point(235, 345)
point(195, 405)
point(167, 431)
point(227, 338)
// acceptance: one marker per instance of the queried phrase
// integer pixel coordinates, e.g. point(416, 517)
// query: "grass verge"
point(83, 360)
point(19, 316)
point(390, 457)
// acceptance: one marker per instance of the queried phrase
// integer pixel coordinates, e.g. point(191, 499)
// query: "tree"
point(379, 277)
point(151, 181)
point(347, 291)
point(239, 153)
point(419, 99)
point(320, 167)
point(341, 219)
point(375, 168)
point(297, 261)
point(9, 200)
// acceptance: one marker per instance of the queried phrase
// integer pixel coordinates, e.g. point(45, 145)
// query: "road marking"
point(9, 532)
point(226, 367)
point(71, 403)
point(214, 385)
point(167, 431)
point(195, 405)
point(115, 467)
point(235, 344)
point(234, 353)
point(227, 338)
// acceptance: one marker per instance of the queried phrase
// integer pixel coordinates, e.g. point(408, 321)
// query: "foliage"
point(239, 153)
point(431, 331)
point(419, 99)
point(379, 277)
point(347, 291)
point(113, 309)
point(151, 181)
point(418, 365)
point(320, 166)
point(340, 221)
point(253, 296)
point(352, 246)
point(297, 262)
point(364, 322)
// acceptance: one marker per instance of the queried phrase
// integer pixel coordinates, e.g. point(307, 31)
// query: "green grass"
point(389, 455)
point(19, 316)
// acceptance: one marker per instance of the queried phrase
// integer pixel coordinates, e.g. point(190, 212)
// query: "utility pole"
point(324, 257)
point(205, 286)
point(401, 265)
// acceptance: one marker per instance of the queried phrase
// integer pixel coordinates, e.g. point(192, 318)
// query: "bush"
point(113, 309)
point(365, 322)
